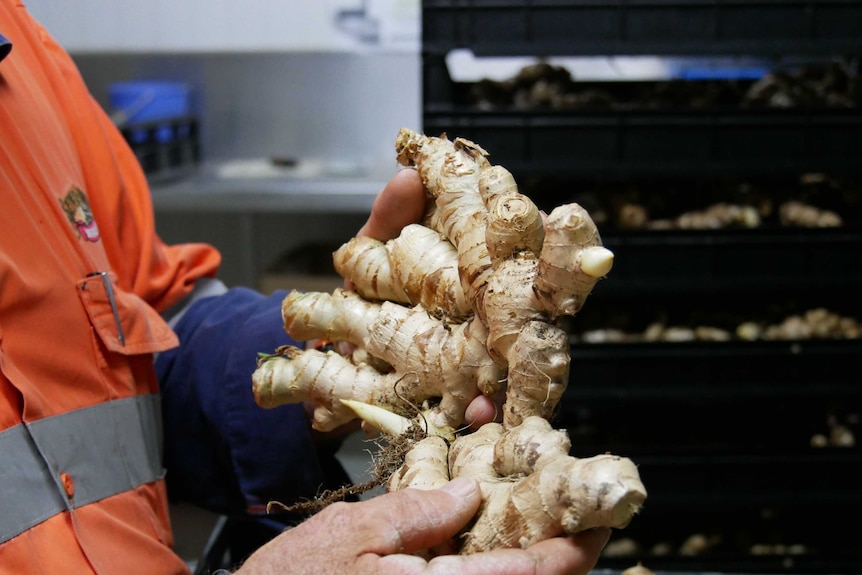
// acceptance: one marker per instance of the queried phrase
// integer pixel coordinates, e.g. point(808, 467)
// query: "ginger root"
point(716, 216)
point(799, 214)
point(466, 303)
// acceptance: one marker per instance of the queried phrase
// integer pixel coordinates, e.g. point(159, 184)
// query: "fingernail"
point(461, 487)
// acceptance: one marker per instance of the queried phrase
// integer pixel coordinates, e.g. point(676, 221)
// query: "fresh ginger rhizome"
point(463, 304)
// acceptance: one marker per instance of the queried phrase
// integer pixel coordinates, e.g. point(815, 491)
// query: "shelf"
point(737, 502)
point(697, 401)
point(732, 261)
point(714, 372)
point(649, 143)
point(204, 193)
point(638, 27)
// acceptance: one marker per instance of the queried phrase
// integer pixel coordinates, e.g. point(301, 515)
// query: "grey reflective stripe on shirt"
point(105, 449)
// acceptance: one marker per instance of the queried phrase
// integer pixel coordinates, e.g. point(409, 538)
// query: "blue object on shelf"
point(718, 68)
point(148, 101)
point(719, 73)
point(160, 134)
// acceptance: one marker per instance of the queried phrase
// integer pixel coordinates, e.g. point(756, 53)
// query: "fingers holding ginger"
point(388, 534)
point(401, 202)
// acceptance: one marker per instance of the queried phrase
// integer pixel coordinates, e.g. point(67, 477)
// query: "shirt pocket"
point(125, 323)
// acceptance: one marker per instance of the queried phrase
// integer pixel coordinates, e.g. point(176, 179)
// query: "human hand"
point(380, 536)
point(401, 202)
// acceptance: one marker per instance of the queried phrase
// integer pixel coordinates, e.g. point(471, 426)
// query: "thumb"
point(401, 202)
point(413, 519)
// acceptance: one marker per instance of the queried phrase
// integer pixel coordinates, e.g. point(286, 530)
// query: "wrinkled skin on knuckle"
point(423, 515)
point(371, 532)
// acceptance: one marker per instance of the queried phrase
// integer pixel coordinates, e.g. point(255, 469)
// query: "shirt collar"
point(5, 46)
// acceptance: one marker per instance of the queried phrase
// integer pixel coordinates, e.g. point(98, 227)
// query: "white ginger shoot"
point(380, 419)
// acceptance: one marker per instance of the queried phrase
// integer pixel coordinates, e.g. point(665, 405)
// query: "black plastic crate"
point(733, 261)
point(800, 541)
point(758, 512)
point(707, 373)
point(723, 432)
point(587, 27)
point(673, 127)
point(722, 436)
point(646, 143)
point(664, 397)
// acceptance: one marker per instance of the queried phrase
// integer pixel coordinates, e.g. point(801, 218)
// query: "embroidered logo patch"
point(77, 209)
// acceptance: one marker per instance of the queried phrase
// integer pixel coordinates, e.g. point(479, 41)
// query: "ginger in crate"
point(799, 214)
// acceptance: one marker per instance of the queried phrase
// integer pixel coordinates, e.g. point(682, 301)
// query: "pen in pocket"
point(109, 289)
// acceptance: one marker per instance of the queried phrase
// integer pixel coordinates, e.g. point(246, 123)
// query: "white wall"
point(271, 77)
point(341, 106)
point(219, 25)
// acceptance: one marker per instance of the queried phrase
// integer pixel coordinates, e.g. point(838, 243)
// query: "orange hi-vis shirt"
point(83, 277)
